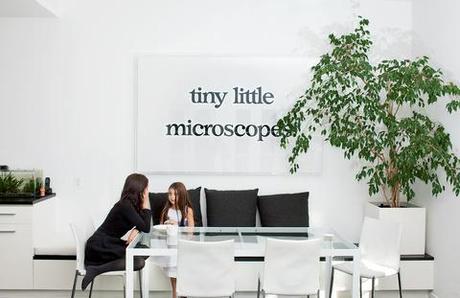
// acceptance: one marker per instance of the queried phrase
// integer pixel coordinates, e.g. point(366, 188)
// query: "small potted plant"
point(377, 114)
point(10, 185)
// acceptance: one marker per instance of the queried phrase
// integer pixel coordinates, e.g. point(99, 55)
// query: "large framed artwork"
point(216, 114)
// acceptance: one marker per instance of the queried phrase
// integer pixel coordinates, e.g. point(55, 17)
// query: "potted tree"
point(377, 113)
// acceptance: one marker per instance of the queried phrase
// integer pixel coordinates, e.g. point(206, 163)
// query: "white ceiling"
point(25, 8)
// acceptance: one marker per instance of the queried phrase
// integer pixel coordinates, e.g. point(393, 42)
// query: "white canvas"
point(171, 90)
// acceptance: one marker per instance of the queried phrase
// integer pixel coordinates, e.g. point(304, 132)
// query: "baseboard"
point(167, 294)
point(59, 275)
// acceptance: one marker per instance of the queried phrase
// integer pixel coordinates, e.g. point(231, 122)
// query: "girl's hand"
point(170, 222)
point(132, 235)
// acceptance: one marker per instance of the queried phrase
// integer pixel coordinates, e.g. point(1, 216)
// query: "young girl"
point(178, 208)
point(177, 211)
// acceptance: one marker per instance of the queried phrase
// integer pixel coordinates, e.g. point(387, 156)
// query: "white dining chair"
point(80, 264)
point(205, 269)
point(379, 246)
point(291, 267)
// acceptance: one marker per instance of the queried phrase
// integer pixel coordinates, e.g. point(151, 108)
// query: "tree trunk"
point(395, 196)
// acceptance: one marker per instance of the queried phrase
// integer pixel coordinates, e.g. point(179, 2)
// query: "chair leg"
point(373, 284)
point(399, 282)
point(317, 295)
point(124, 286)
point(332, 283)
point(360, 287)
point(91, 289)
point(258, 288)
point(140, 283)
point(74, 284)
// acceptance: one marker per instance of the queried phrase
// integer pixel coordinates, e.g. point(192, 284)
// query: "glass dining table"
point(249, 243)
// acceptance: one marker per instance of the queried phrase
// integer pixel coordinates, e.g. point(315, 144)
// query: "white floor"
point(119, 294)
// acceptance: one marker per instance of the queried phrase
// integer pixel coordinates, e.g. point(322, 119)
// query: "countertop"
point(24, 201)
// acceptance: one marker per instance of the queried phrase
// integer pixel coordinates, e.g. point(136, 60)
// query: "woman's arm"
point(140, 220)
point(190, 218)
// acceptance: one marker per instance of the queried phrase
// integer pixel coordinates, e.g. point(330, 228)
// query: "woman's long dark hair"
point(133, 189)
point(182, 201)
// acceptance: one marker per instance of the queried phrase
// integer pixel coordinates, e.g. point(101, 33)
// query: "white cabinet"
point(20, 226)
point(16, 257)
point(16, 214)
point(16, 247)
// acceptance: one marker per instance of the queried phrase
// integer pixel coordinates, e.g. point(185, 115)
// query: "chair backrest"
point(291, 267)
point(98, 216)
point(205, 269)
point(380, 242)
point(95, 223)
point(79, 247)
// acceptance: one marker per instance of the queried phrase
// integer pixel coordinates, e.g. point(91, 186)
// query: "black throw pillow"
point(284, 210)
point(195, 195)
point(158, 201)
point(231, 208)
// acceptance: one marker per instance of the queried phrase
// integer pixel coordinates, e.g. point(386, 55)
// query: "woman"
point(177, 211)
point(105, 250)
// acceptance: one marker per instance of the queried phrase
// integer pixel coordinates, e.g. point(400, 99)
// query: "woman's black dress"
point(105, 244)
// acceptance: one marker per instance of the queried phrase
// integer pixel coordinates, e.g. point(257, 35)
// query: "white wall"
point(436, 26)
point(66, 89)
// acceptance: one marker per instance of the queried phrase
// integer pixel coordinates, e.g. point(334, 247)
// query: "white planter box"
point(412, 219)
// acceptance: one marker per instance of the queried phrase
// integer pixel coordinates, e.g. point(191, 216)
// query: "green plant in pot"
point(10, 184)
point(30, 187)
point(377, 114)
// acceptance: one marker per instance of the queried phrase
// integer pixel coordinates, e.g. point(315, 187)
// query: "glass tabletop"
point(244, 237)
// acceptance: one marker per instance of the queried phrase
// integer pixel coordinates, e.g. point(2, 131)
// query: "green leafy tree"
point(376, 113)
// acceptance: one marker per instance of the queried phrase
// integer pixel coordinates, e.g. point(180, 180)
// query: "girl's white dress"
point(169, 263)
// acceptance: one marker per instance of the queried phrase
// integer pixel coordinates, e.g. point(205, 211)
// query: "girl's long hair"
point(182, 201)
point(133, 190)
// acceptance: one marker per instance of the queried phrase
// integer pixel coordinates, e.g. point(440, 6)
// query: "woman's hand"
point(145, 199)
point(132, 235)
